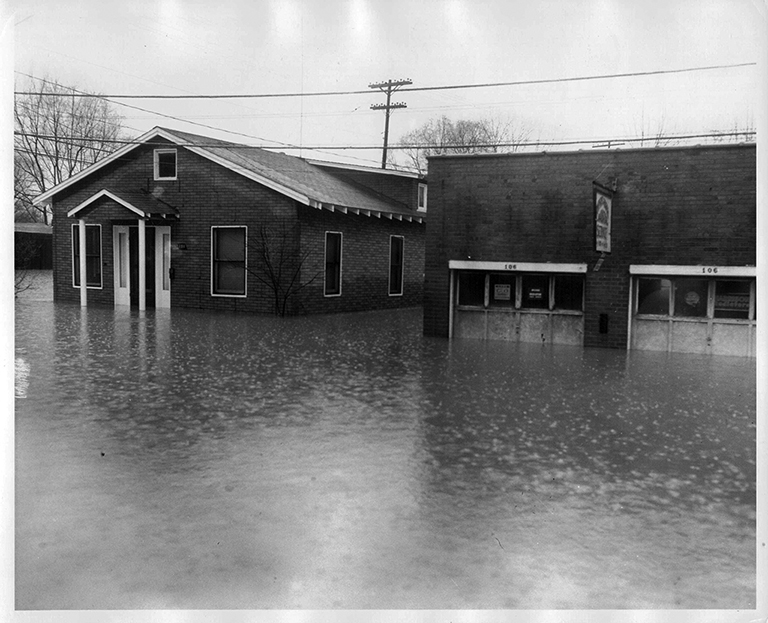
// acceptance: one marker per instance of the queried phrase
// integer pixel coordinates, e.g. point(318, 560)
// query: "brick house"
point(635, 249)
point(179, 220)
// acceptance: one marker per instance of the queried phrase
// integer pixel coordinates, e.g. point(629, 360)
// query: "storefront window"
point(569, 292)
point(472, 288)
point(691, 297)
point(502, 291)
point(732, 299)
point(535, 292)
point(653, 296)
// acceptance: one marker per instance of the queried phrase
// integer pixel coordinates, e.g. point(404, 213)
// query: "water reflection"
point(213, 461)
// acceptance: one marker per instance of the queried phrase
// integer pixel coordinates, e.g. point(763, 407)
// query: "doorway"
point(157, 259)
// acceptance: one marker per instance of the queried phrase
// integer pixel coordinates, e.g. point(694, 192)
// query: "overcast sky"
point(278, 46)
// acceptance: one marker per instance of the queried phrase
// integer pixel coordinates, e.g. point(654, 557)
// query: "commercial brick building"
point(636, 248)
point(180, 220)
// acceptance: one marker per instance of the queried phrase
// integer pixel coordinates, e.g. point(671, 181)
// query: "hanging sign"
point(603, 200)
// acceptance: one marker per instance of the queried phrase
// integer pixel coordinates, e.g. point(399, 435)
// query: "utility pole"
point(388, 87)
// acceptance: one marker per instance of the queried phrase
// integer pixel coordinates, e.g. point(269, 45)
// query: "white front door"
point(163, 267)
point(121, 265)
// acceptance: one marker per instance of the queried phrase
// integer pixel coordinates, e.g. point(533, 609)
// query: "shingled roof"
point(308, 183)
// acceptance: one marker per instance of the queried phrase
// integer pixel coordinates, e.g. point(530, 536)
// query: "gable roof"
point(300, 179)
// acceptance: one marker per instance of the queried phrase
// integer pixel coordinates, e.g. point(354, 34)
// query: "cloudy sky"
point(182, 47)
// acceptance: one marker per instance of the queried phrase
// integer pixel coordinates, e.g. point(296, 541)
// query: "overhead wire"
point(537, 143)
point(634, 74)
point(280, 144)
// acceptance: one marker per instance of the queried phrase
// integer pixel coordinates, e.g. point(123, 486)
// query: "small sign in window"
point(502, 292)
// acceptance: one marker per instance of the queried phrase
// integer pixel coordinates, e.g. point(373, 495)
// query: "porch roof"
point(142, 203)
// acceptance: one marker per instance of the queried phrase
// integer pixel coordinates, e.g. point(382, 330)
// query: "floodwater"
point(194, 460)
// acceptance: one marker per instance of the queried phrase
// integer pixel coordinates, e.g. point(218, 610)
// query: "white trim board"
point(105, 193)
point(710, 270)
point(527, 267)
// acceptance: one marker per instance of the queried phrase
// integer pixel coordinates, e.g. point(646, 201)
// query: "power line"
point(485, 85)
point(152, 112)
point(677, 137)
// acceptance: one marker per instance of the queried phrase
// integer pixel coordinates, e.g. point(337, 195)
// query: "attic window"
point(165, 164)
point(422, 205)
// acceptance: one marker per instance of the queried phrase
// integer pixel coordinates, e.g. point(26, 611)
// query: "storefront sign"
point(603, 199)
point(502, 292)
point(732, 301)
point(535, 293)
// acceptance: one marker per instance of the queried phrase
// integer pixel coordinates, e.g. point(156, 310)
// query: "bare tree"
point(57, 133)
point(465, 136)
point(280, 263)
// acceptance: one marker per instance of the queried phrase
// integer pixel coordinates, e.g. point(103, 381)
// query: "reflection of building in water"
point(640, 248)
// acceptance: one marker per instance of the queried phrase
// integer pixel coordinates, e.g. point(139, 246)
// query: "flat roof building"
point(639, 248)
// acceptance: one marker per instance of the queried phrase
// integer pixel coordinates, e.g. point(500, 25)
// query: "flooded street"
point(192, 460)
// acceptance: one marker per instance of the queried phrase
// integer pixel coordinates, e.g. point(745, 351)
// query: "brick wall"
point(365, 262)
point(207, 195)
point(694, 205)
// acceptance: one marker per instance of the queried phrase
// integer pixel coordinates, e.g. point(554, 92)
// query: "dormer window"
point(165, 164)
point(422, 205)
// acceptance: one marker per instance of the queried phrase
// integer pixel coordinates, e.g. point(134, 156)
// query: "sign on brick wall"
point(603, 200)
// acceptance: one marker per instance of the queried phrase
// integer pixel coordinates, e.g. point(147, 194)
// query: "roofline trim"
point(105, 193)
point(364, 169)
point(154, 132)
point(319, 205)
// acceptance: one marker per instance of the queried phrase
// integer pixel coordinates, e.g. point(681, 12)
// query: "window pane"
point(92, 255)
point(691, 297)
point(732, 299)
point(535, 292)
point(653, 296)
point(166, 262)
point(502, 290)
point(396, 265)
point(569, 292)
point(332, 263)
point(166, 164)
point(230, 244)
point(229, 278)
point(471, 288)
point(228, 260)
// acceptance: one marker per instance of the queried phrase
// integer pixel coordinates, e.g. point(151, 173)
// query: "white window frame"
point(402, 267)
point(421, 201)
point(156, 164)
point(341, 263)
point(75, 245)
point(245, 263)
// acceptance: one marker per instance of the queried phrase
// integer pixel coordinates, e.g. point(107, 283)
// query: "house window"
point(732, 299)
point(332, 263)
point(228, 261)
point(690, 297)
point(422, 204)
point(524, 291)
point(653, 296)
point(569, 292)
point(92, 256)
point(396, 244)
point(502, 291)
point(471, 288)
point(165, 164)
point(535, 292)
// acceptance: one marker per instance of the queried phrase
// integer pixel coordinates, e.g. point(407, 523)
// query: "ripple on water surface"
point(197, 460)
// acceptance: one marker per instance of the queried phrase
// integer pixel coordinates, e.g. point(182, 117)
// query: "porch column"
point(83, 277)
point(142, 265)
